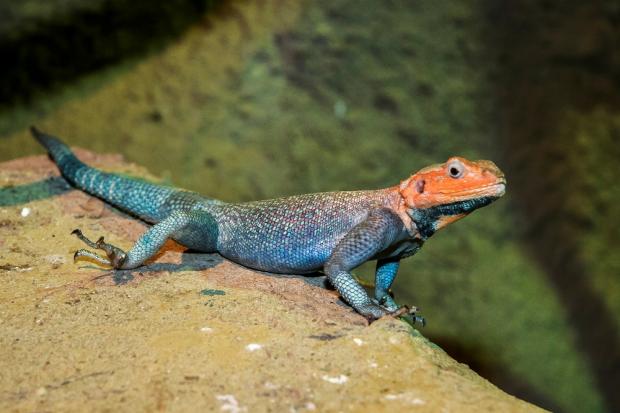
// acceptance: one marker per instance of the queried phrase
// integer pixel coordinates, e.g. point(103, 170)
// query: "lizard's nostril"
point(419, 186)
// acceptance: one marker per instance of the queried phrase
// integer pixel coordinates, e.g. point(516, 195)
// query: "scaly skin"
point(334, 231)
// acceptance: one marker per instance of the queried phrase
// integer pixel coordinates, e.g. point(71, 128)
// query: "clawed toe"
point(78, 233)
point(419, 319)
point(400, 312)
point(116, 256)
point(405, 311)
point(374, 312)
point(89, 255)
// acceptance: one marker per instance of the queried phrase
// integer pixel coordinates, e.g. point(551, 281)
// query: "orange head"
point(442, 193)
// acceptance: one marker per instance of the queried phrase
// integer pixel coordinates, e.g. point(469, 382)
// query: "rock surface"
point(190, 331)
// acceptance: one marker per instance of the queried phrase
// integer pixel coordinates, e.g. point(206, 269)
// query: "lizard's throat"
point(430, 220)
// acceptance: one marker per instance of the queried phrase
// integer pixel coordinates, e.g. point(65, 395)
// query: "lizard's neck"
point(394, 201)
point(430, 220)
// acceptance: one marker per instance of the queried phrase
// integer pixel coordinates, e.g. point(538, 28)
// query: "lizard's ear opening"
point(408, 188)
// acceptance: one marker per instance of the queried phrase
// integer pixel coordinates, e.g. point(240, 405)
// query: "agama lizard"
point(333, 231)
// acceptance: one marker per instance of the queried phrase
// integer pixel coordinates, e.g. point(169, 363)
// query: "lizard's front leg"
point(363, 242)
point(384, 277)
point(147, 245)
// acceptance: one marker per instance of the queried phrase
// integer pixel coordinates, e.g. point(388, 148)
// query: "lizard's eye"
point(456, 169)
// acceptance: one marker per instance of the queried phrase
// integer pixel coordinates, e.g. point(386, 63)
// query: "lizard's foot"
point(116, 256)
point(405, 311)
point(387, 302)
point(371, 311)
point(393, 309)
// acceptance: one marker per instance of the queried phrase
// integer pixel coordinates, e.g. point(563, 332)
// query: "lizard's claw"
point(374, 312)
point(116, 256)
point(393, 310)
point(400, 312)
point(418, 319)
point(405, 311)
point(91, 256)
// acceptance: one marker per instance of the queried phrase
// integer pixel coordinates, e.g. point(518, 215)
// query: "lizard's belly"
point(282, 250)
point(287, 257)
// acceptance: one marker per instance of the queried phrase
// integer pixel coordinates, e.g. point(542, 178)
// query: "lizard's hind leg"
point(147, 245)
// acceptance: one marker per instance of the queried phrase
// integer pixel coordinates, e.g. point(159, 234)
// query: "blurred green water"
point(273, 99)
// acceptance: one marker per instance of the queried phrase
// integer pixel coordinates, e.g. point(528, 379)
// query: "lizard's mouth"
point(495, 190)
point(499, 188)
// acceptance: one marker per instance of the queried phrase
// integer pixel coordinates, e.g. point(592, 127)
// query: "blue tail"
point(137, 197)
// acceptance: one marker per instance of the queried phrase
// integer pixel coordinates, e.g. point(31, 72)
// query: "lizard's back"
point(294, 234)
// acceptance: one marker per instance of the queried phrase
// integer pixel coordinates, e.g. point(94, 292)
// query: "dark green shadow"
point(21, 194)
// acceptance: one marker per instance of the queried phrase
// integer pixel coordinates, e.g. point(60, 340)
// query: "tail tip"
point(42, 137)
point(36, 133)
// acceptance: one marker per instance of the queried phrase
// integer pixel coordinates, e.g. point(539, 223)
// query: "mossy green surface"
point(275, 99)
point(20, 16)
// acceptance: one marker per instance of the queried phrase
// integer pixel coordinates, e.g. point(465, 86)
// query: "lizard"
point(332, 232)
